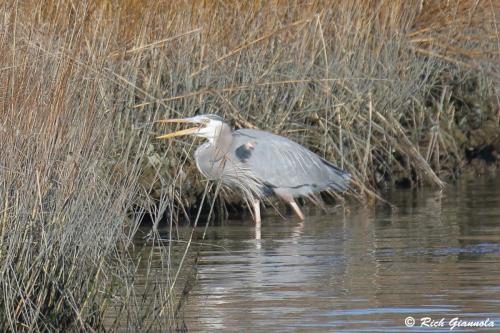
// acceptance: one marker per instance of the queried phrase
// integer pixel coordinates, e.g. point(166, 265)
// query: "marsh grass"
point(387, 89)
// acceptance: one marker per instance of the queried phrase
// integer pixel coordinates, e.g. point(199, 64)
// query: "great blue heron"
point(259, 163)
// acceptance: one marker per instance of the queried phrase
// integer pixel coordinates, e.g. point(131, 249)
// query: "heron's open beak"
point(181, 132)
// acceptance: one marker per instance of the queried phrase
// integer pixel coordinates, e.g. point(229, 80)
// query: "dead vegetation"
point(396, 92)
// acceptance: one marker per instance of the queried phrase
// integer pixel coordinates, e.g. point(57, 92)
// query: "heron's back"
point(283, 164)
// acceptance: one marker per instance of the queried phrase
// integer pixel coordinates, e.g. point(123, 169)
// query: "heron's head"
point(208, 126)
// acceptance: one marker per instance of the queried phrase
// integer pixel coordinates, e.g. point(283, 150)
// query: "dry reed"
point(385, 88)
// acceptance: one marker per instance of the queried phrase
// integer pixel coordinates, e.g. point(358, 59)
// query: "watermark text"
point(452, 323)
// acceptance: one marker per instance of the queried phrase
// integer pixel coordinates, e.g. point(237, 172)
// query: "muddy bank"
point(466, 143)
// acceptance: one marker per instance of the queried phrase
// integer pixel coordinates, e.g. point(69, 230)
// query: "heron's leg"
point(296, 209)
point(287, 197)
point(256, 210)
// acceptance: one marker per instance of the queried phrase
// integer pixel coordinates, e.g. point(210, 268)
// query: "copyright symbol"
point(409, 321)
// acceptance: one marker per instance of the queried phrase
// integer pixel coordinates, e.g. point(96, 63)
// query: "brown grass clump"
point(396, 92)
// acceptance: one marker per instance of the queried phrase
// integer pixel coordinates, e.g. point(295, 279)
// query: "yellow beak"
point(178, 133)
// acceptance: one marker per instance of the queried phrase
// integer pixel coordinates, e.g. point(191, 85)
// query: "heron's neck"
point(222, 142)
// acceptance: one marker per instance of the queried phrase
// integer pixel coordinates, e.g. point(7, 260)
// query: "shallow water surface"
point(432, 260)
point(437, 255)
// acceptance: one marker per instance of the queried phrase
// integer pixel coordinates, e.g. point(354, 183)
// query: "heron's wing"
point(282, 163)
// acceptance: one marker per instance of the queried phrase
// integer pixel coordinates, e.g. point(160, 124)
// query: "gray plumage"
point(261, 163)
point(258, 163)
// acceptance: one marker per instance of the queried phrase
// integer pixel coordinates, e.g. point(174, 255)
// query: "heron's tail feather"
point(339, 181)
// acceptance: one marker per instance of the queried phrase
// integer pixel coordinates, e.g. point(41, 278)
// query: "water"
point(436, 255)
